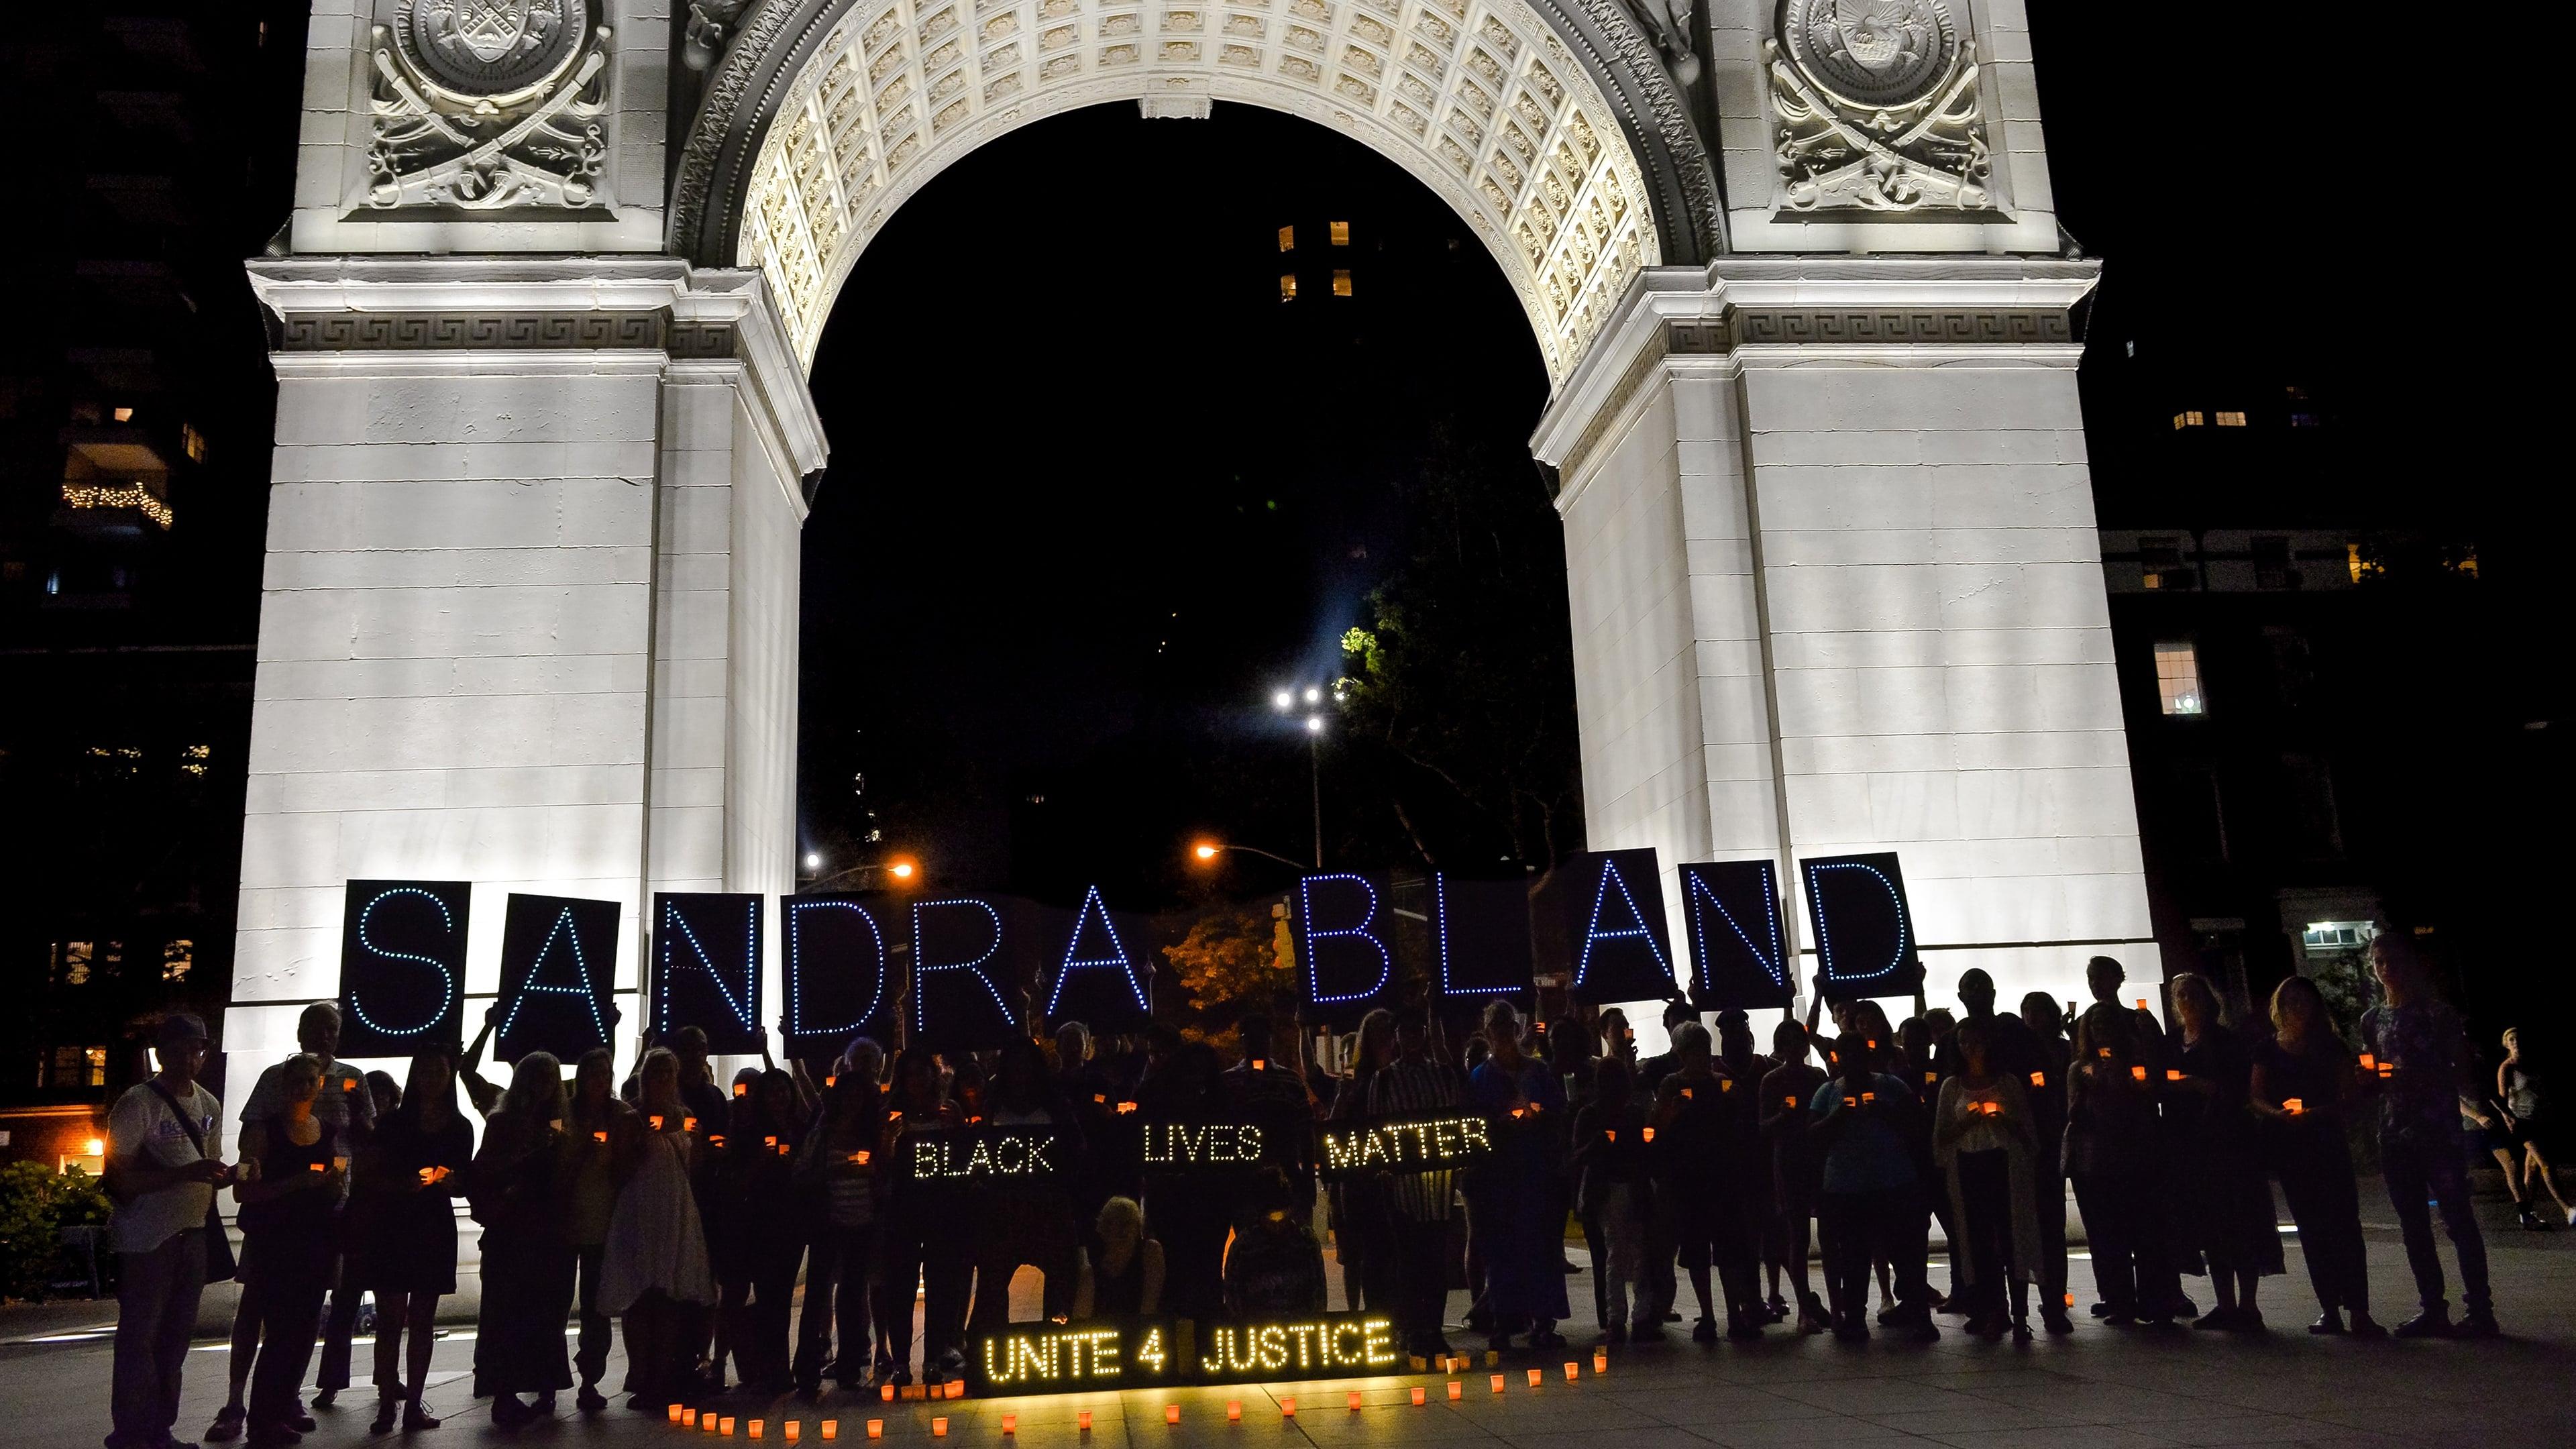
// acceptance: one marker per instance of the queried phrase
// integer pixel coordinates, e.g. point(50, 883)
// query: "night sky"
point(1096, 491)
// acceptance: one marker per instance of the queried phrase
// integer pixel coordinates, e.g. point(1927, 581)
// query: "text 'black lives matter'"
point(402, 966)
point(558, 977)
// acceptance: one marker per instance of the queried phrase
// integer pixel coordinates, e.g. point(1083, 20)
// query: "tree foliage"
point(1229, 963)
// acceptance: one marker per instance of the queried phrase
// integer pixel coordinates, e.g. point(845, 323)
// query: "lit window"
point(2160, 563)
point(2178, 678)
point(1287, 286)
point(2231, 420)
point(2191, 419)
point(124, 415)
point(1287, 238)
point(74, 963)
point(1341, 233)
point(1341, 281)
point(192, 758)
point(95, 1060)
point(178, 958)
point(192, 443)
point(2295, 393)
point(2303, 420)
point(2363, 561)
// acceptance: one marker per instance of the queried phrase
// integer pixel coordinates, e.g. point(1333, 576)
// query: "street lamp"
point(1286, 701)
point(902, 870)
point(1208, 850)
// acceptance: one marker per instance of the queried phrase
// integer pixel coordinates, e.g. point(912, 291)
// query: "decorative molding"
point(422, 331)
point(1884, 325)
point(488, 105)
point(1701, 337)
point(1876, 110)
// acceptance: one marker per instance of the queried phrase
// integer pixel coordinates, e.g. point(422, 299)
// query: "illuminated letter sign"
point(558, 970)
point(1417, 1142)
point(974, 1154)
point(961, 968)
point(1327, 1345)
point(840, 980)
point(1613, 914)
point(1175, 1147)
point(706, 968)
point(1739, 958)
point(1096, 981)
point(1342, 960)
point(1864, 933)
point(1480, 938)
point(402, 965)
point(1107, 1353)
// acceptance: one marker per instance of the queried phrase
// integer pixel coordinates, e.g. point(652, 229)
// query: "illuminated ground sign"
point(1418, 1143)
point(966, 1154)
point(1181, 1146)
point(1107, 1353)
point(1321, 1346)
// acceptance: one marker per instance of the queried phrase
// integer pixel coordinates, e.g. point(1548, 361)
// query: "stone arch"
point(1547, 124)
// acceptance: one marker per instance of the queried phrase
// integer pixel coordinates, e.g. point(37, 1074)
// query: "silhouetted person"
point(2215, 1151)
point(1872, 1206)
point(165, 1162)
point(1983, 1140)
point(2429, 1070)
point(1784, 1124)
point(2047, 1084)
point(2304, 1087)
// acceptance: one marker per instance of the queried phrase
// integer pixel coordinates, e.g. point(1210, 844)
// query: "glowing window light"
point(1287, 286)
point(1341, 233)
point(2178, 678)
point(1341, 281)
point(447, 978)
point(1091, 905)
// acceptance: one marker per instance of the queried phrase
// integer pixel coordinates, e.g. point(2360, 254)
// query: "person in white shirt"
point(165, 1144)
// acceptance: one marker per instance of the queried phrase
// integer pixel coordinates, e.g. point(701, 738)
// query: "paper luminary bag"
point(558, 977)
point(1604, 914)
point(841, 979)
point(1480, 940)
point(1864, 929)
point(1739, 951)
point(1099, 968)
point(705, 967)
point(402, 966)
point(1345, 953)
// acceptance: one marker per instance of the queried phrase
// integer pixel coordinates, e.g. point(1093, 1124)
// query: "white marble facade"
point(531, 592)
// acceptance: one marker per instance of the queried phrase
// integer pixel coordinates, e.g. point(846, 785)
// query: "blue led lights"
point(1091, 905)
point(1308, 936)
point(738, 1005)
point(1825, 937)
point(447, 978)
point(796, 1026)
point(1773, 961)
point(564, 927)
point(1440, 925)
point(922, 966)
point(1609, 877)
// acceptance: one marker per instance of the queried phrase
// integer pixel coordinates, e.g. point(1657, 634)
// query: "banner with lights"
point(1104, 976)
point(1345, 965)
point(960, 1155)
point(558, 977)
point(969, 956)
point(1864, 930)
point(1739, 954)
point(1100, 1353)
point(1414, 1142)
point(402, 966)
point(1188, 1147)
point(1480, 940)
point(1605, 912)
point(1322, 1345)
point(706, 968)
point(840, 980)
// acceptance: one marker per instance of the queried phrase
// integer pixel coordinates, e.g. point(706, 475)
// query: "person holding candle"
point(603, 1134)
point(522, 1175)
point(1983, 1140)
point(837, 1162)
point(2302, 1087)
point(2432, 1071)
point(1615, 1197)
point(408, 1180)
point(1702, 1182)
point(290, 1208)
point(2215, 1152)
point(1515, 1214)
point(2111, 1153)
point(2046, 1086)
point(919, 1244)
point(164, 1165)
point(759, 1238)
point(1872, 1204)
point(1784, 1124)
point(1028, 1220)
point(653, 1262)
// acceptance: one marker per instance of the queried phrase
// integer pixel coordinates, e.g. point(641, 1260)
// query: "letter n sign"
point(1864, 929)
point(402, 966)
point(1342, 957)
point(1740, 954)
point(558, 970)
point(706, 968)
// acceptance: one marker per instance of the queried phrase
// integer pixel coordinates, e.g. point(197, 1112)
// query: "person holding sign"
point(837, 1166)
point(1783, 1122)
point(409, 1178)
point(604, 1135)
point(290, 1207)
point(1419, 1203)
point(1615, 1198)
point(520, 1179)
point(1520, 1239)
point(1702, 1181)
point(1031, 1219)
point(653, 1269)
point(2303, 1088)
point(1190, 1213)
point(920, 1245)
point(1873, 1205)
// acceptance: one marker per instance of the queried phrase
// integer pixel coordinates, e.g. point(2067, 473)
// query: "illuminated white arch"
point(1479, 99)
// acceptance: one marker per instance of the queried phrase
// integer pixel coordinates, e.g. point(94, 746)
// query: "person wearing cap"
point(165, 1150)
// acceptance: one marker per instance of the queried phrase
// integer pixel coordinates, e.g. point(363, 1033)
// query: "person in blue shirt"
point(1873, 1203)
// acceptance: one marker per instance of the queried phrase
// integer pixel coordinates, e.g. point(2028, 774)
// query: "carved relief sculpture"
point(1876, 109)
point(489, 104)
point(1668, 25)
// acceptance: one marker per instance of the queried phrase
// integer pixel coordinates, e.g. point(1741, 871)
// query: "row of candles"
point(792, 1430)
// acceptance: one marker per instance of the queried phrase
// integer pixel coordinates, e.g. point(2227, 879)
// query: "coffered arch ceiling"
point(1572, 160)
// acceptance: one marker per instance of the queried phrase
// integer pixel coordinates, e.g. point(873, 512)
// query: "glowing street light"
point(1207, 851)
point(1204, 850)
point(1314, 724)
point(1284, 700)
point(813, 861)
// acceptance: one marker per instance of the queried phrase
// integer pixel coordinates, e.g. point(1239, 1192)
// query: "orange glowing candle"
point(2369, 1063)
point(876, 1428)
point(688, 1417)
point(2172, 1076)
point(756, 1429)
point(1288, 1407)
point(939, 1426)
point(1082, 1420)
point(1573, 1372)
point(709, 1422)
point(725, 1425)
point(1355, 1401)
point(795, 1430)
point(956, 1388)
point(675, 1413)
point(1601, 1360)
point(885, 1392)
point(1498, 1383)
point(1234, 1411)
point(1533, 1377)
point(1418, 1396)
point(1649, 1134)
point(1869, 1096)
point(2039, 1079)
point(1171, 1413)
point(1457, 1390)
point(2138, 1072)
point(2293, 1106)
point(831, 1428)
point(1010, 1423)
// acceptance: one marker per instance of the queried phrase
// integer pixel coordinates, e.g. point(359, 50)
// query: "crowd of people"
point(685, 1210)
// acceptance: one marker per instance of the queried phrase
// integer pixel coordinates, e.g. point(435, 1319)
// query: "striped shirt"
point(1419, 1086)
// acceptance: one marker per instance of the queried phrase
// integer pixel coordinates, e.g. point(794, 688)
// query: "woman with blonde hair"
point(2303, 1089)
point(653, 1271)
point(1126, 1279)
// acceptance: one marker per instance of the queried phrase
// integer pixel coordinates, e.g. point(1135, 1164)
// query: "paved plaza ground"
point(2101, 1389)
